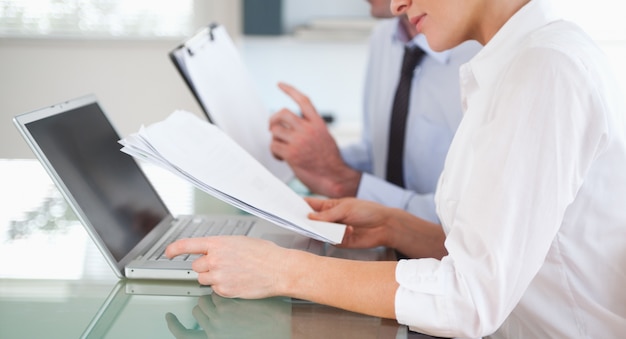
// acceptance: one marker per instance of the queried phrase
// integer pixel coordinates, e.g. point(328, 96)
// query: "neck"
point(499, 16)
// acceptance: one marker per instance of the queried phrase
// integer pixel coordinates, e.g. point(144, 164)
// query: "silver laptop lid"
point(78, 146)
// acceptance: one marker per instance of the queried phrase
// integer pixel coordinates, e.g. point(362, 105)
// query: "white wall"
point(331, 73)
point(134, 80)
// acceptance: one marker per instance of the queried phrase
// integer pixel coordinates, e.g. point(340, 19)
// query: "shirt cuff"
point(419, 301)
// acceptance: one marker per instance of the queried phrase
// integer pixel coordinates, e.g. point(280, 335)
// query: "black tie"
point(395, 151)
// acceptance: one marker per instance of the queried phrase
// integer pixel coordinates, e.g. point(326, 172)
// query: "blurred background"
point(55, 50)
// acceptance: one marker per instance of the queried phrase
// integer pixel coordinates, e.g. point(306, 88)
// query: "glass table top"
point(55, 284)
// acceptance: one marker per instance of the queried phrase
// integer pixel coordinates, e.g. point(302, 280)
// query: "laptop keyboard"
point(198, 228)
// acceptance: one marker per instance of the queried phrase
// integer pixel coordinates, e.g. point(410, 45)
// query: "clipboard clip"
point(195, 42)
point(211, 27)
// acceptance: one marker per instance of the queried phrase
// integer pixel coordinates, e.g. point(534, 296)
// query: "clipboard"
point(215, 73)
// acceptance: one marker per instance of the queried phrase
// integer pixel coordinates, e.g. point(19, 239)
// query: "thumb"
point(335, 213)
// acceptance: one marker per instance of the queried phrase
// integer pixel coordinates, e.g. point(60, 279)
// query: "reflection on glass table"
point(184, 310)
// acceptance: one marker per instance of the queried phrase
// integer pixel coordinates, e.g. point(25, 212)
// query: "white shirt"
point(434, 114)
point(531, 196)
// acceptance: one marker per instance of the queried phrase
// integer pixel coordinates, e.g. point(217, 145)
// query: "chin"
point(434, 43)
point(439, 43)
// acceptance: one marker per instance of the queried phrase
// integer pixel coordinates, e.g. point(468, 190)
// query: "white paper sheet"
point(209, 159)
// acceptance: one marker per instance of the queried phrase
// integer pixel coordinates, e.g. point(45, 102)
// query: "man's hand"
point(310, 150)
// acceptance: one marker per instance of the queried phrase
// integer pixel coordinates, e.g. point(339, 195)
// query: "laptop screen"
point(109, 186)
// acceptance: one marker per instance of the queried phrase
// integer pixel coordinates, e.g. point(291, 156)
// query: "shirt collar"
point(400, 35)
point(496, 54)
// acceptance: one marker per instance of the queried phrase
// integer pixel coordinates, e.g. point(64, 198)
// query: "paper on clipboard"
point(211, 66)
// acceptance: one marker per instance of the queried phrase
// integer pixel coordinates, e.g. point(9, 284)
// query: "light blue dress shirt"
point(434, 115)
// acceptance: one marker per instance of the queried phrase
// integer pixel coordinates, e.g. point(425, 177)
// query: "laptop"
point(122, 212)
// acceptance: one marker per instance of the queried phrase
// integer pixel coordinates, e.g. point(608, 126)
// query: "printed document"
point(201, 153)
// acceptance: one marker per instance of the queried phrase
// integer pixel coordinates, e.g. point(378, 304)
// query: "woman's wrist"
point(415, 237)
point(394, 225)
point(292, 274)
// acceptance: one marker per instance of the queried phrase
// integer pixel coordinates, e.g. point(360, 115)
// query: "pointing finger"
point(187, 246)
point(308, 110)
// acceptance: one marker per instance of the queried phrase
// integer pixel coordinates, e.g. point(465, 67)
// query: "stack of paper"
point(206, 157)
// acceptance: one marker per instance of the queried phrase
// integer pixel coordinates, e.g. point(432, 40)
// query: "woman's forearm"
point(358, 286)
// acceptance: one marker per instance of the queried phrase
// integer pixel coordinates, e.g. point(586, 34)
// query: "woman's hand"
point(367, 222)
point(235, 266)
point(371, 225)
